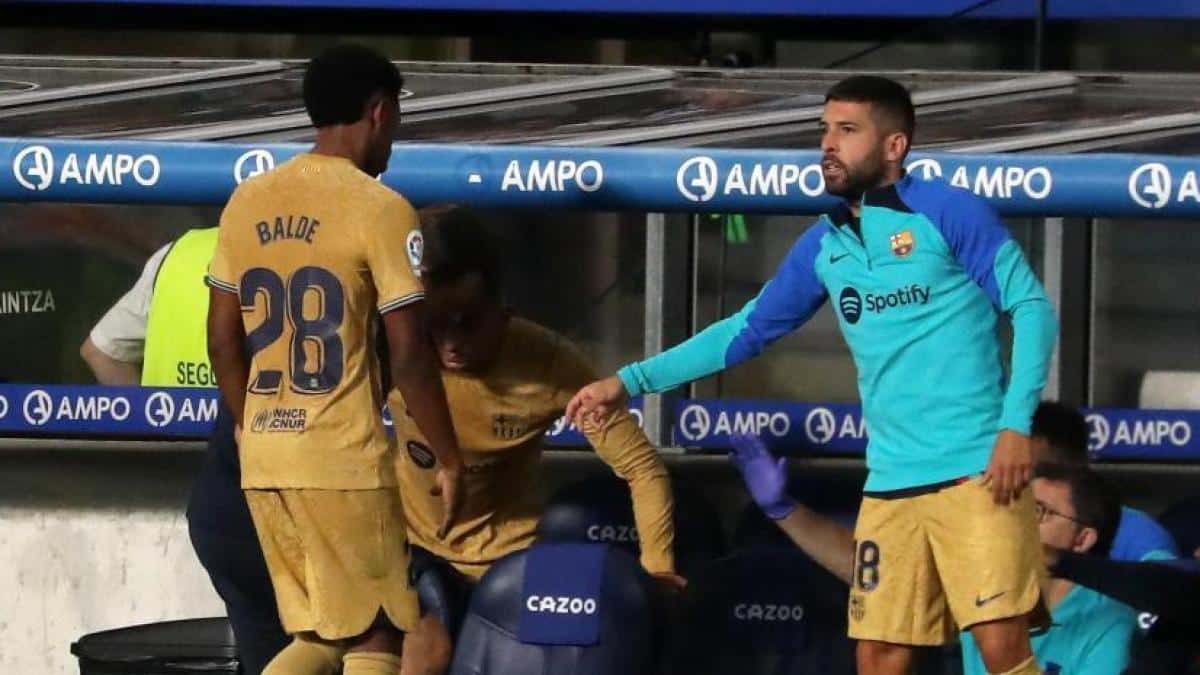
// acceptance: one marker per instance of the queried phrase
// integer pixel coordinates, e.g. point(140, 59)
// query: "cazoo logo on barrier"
point(1110, 432)
point(1151, 186)
point(993, 182)
point(36, 168)
point(699, 180)
point(696, 423)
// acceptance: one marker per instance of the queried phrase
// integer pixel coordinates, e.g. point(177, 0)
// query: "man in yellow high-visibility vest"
point(155, 334)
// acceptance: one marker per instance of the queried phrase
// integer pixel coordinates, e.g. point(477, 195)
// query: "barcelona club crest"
point(902, 243)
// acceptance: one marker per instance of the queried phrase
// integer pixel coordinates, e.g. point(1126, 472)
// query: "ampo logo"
point(1150, 185)
point(560, 425)
point(820, 425)
point(697, 179)
point(850, 302)
point(1099, 432)
point(253, 163)
point(637, 417)
point(159, 409)
point(38, 407)
point(3, 407)
point(34, 168)
point(695, 422)
point(926, 168)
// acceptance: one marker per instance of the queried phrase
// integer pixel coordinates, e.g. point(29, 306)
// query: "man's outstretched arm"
point(784, 303)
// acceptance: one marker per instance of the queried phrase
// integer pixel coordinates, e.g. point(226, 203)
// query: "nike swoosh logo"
point(835, 258)
point(980, 602)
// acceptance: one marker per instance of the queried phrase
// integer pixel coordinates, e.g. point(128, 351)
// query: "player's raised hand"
point(448, 484)
point(597, 401)
point(764, 475)
point(1011, 466)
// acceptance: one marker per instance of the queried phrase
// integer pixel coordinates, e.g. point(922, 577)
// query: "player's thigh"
point(356, 560)
point(989, 555)
point(895, 594)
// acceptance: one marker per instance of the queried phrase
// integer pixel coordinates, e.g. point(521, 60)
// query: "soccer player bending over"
point(507, 380)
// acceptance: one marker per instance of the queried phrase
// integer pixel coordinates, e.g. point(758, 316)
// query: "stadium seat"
point(1182, 520)
point(598, 508)
point(493, 640)
point(1170, 389)
point(188, 646)
point(763, 611)
point(437, 592)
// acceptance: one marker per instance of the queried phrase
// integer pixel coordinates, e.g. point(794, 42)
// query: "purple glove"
point(765, 476)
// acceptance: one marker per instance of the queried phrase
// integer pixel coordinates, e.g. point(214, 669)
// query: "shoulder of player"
point(940, 201)
point(527, 336)
point(385, 204)
point(539, 347)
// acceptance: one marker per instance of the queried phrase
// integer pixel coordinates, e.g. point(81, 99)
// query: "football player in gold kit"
point(309, 257)
point(507, 380)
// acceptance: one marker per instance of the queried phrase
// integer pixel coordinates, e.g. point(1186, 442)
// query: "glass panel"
point(1093, 103)
point(258, 97)
point(30, 73)
point(699, 95)
point(1146, 309)
point(581, 274)
point(64, 266)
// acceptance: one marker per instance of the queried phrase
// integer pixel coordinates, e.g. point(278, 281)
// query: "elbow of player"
point(222, 347)
point(412, 369)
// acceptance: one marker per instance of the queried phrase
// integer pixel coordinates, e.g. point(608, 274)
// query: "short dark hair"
point(1097, 504)
point(341, 80)
point(888, 98)
point(1065, 430)
point(458, 245)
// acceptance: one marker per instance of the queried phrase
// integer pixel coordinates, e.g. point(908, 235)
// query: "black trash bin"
point(166, 648)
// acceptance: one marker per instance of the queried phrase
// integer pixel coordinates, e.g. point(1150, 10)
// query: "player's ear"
point(375, 112)
point(1085, 539)
point(895, 146)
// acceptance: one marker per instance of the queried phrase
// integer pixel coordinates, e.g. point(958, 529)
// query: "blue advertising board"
point(826, 429)
point(638, 179)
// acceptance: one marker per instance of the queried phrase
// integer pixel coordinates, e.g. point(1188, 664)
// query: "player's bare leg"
point(375, 652)
point(884, 658)
point(1004, 645)
point(427, 649)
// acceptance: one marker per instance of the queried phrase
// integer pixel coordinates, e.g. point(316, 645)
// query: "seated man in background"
point(1089, 634)
point(507, 381)
point(1060, 435)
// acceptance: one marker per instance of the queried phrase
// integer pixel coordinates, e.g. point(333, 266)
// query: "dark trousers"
point(223, 536)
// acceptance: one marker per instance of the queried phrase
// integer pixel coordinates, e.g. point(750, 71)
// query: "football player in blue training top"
point(920, 273)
